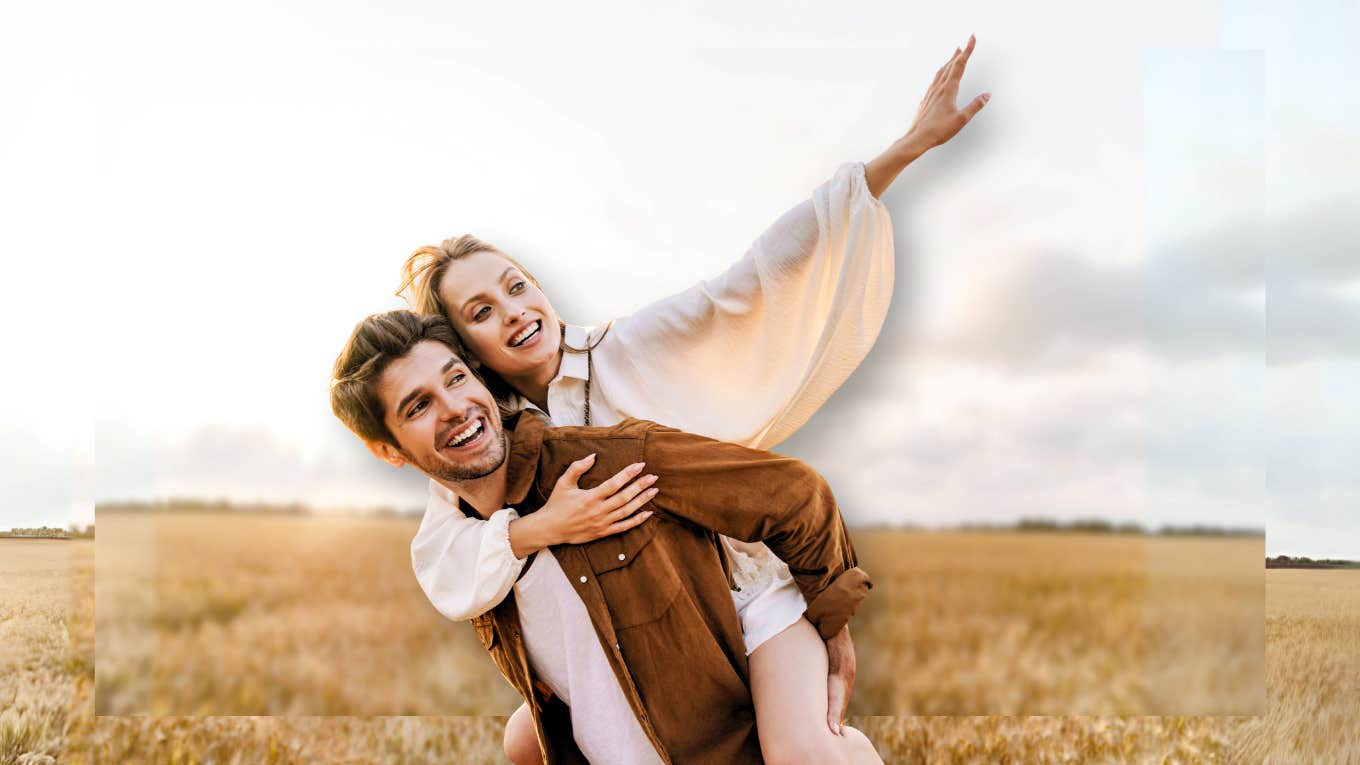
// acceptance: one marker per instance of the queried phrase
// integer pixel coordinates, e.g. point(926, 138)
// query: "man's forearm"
point(881, 171)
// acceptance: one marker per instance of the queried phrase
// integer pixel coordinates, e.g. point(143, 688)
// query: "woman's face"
point(505, 320)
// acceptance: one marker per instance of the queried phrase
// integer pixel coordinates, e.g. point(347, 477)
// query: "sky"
point(1127, 290)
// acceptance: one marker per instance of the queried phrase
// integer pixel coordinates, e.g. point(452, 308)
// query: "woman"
point(745, 357)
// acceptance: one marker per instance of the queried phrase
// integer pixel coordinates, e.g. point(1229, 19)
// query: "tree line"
point(1285, 561)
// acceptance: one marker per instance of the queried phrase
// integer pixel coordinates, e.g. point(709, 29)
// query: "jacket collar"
point(526, 429)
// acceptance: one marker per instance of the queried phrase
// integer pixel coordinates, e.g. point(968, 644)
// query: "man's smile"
point(468, 436)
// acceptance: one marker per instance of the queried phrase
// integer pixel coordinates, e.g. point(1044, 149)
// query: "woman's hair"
point(421, 276)
point(425, 268)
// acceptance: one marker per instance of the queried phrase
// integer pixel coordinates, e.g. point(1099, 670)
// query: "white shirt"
point(565, 653)
point(746, 357)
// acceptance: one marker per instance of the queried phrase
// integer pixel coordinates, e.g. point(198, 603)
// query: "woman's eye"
point(481, 313)
point(516, 287)
point(456, 379)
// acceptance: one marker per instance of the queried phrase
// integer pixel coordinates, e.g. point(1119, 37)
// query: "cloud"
point(1194, 299)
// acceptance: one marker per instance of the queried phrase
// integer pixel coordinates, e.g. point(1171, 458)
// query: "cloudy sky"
point(1127, 290)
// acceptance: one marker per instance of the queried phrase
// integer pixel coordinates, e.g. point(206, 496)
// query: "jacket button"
point(622, 556)
point(583, 580)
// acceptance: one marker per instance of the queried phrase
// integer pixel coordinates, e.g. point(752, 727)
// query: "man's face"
point(445, 421)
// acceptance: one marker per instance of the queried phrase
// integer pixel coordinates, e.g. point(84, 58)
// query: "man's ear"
point(386, 452)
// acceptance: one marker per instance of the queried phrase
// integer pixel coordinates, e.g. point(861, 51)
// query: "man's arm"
point(754, 496)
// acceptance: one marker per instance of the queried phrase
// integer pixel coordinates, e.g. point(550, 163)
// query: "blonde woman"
point(746, 357)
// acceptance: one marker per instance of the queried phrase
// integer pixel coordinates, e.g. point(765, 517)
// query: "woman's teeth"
point(525, 334)
point(467, 434)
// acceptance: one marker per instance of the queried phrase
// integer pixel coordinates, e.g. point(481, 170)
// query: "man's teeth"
point(467, 434)
point(524, 334)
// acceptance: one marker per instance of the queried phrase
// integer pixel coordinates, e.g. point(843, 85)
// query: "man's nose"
point(453, 405)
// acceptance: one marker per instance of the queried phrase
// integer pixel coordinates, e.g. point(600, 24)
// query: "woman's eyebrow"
point(482, 295)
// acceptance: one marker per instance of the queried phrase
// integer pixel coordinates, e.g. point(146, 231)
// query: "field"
point(1313, 669)
point(202, 616)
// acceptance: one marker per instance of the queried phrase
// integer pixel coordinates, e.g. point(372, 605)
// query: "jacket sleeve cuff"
point(831, 610)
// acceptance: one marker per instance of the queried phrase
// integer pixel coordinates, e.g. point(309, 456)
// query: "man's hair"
point(374, 344)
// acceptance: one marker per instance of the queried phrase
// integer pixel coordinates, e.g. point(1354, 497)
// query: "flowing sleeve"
point(749, 355)
point(464, 565)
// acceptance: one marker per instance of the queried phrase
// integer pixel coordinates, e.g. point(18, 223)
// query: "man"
point(629, 644)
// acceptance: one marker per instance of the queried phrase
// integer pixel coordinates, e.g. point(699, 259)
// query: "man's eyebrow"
point(413, 395)
point(483, 294)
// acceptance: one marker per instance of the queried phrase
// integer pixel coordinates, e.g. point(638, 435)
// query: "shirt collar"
point(526, 441)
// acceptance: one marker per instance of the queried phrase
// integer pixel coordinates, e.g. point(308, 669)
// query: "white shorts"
point(769, 600)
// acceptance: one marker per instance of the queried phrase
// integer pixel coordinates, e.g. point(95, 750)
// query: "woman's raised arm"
point(938, 119)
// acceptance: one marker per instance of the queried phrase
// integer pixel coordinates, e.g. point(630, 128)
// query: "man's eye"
point(417, 409)
point(516, 287)
point(481, 313)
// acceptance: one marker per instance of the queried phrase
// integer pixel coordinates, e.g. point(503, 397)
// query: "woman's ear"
point(386, 452)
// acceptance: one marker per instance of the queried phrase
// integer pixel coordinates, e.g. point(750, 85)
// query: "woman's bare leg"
point(521, 740)
point(788, 684)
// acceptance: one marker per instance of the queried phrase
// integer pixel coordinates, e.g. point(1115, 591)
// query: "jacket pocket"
point(636, 574)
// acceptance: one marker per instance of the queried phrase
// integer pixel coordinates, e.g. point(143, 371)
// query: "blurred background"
point(205, 201)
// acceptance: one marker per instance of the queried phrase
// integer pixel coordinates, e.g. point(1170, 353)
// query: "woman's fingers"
point(626, 494)
point(939, 73)
point(627, 524)
point(959, 64)
point(632, 507)
point(976, 105)
point(618, 481)
point(574, 471)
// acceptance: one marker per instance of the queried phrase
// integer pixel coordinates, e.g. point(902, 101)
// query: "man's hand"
point(584, 515)
point(840, 678)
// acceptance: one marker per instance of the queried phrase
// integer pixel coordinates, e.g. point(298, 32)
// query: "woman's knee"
point(521, 740)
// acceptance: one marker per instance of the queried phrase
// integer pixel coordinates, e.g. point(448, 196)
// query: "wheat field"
point(313, 629)
point(1313, 669)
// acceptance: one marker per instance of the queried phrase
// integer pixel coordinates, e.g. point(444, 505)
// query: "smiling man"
point(627, 649)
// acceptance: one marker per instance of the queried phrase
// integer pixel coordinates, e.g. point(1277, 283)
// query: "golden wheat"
point(203, 614)
point(1313, 669)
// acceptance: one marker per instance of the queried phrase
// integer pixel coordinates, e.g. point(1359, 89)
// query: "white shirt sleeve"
point(464, 565)
point(749, 355)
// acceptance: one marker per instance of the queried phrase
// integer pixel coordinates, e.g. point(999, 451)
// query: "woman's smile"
point(527, 336)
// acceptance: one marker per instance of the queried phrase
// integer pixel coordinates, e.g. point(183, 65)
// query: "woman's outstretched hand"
point(938, 119)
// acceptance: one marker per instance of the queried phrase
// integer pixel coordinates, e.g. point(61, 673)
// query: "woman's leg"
point(521, 740)
point(788, 684)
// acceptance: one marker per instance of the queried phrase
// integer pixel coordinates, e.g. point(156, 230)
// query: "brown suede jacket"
point(659, 594)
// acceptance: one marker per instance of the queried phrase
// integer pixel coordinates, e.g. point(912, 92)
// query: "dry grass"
point(1313, 669)
point(986, 624)
point(202, 615)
